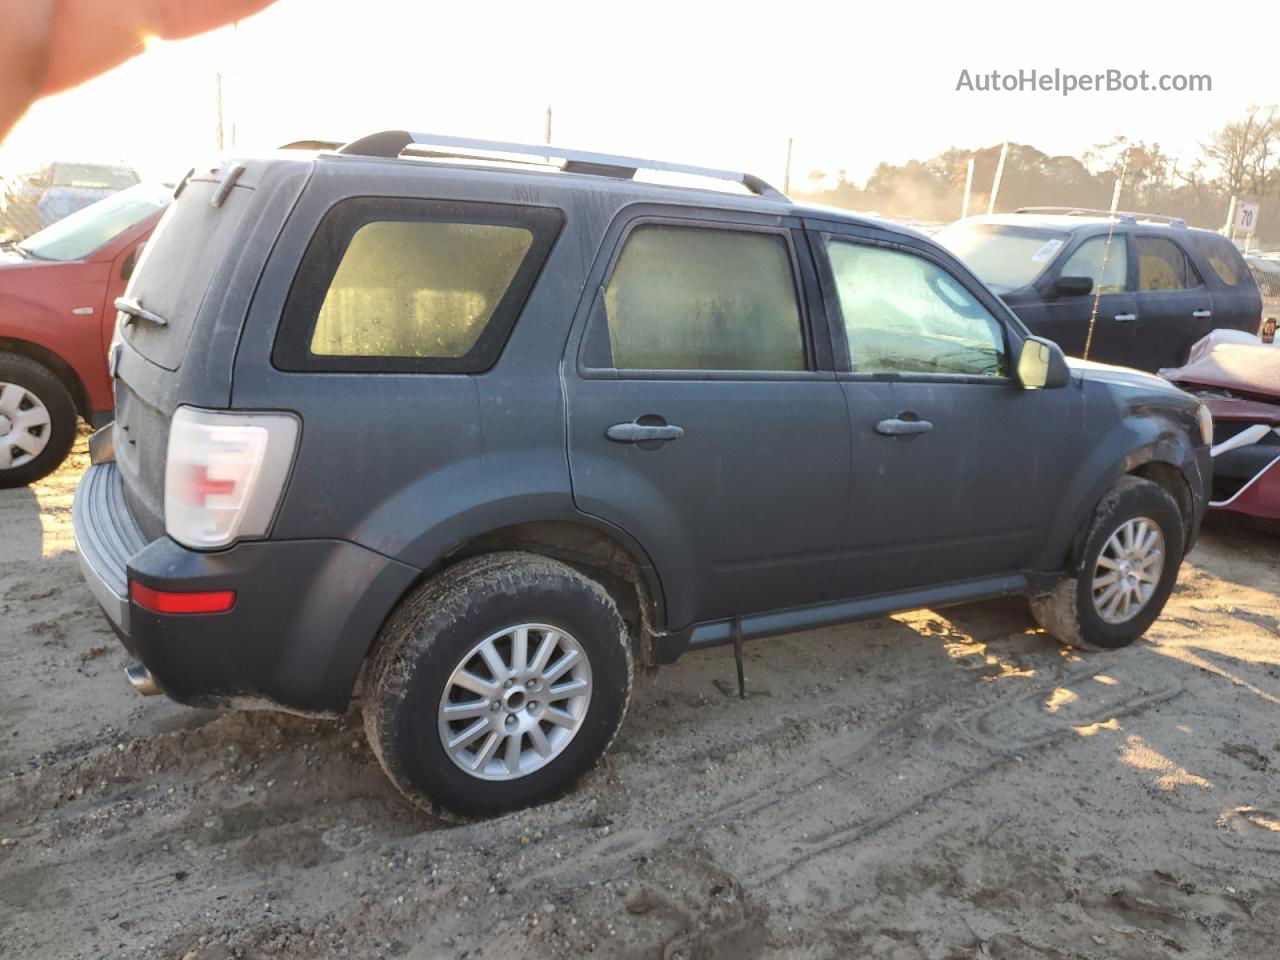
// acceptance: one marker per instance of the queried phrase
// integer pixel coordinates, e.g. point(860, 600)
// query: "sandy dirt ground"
point(947, 784)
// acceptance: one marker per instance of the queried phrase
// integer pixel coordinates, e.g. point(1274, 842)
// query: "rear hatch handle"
point(133, 308)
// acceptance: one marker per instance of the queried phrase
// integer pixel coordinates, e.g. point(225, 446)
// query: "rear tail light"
point(225, 474)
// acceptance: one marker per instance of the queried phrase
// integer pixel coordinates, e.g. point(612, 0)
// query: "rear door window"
point(698, 298)
point(405, 285)
point(1163, 266)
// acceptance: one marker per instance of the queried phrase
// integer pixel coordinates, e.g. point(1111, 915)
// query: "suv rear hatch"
point(195, 281)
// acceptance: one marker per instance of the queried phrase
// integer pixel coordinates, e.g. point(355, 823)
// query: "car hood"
point(1124, 376)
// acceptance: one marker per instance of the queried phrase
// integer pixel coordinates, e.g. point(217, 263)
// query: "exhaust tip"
point(142, 680)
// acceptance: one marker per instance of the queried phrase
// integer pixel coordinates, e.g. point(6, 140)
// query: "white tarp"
point(1233, 360)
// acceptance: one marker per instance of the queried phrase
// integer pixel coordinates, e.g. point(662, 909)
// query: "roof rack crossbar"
point(391, 143)
point(1127, 215)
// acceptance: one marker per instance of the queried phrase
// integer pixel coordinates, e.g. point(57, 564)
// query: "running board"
point(720, 632)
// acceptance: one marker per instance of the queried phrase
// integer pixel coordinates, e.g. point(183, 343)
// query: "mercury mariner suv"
point(473, 428)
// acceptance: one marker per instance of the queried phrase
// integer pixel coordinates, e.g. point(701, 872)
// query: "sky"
point(708, 83)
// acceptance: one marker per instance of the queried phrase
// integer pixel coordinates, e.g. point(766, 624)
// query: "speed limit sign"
point(1246, 218)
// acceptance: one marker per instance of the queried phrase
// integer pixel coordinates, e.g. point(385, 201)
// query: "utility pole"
point(968, 188)
point(548, 130)
point(786, 176)
point(217, 112)
point(995, 186)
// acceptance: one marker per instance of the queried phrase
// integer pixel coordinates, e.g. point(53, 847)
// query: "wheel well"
point(1171, 479)
point(631, 582)
point(56, 365)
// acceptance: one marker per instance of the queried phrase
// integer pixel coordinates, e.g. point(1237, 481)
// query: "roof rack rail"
point(392, 143)
point(1126, 215)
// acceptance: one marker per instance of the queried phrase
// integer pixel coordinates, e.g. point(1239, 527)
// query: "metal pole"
point(786, 176)
point(1229, 228)
point(995, 186)
point(548, 132)
point(968, 188)
point(217, 111)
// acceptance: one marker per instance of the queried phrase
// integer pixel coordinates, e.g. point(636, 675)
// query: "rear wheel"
point(37, 421)
point(1129, 564)
point(497, 685)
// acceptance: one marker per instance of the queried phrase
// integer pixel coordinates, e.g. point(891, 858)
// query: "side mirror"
point(1041, 365)
point(1073, 287)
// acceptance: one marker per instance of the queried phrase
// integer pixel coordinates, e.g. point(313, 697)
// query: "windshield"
point(77, 236)
point(1002, 256)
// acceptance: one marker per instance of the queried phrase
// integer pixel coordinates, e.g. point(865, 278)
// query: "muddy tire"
point(1128, 567)
point(497, 685)
point(37, 421)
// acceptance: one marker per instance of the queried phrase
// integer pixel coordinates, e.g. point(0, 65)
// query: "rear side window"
point(1163, 266)
point(410, 285)
point(695, 298)
point(406, 289)
point(1106, 265)
point(1223, 257)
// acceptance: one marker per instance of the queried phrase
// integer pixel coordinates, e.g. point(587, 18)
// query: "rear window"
point(192, 240)
point(390, 284)
point(1223, 257)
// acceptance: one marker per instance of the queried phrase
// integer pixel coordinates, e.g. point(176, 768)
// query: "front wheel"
point(1129, 564)
point(37, 421)
point(497, 685)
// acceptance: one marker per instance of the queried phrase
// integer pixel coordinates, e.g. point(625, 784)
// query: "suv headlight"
point(225, 474)
point(1206, 425)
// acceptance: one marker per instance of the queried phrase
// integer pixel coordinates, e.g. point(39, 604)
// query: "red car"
point(1237, 376)
point(57, 290)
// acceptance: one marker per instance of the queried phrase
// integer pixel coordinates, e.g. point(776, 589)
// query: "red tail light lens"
point(168, 601)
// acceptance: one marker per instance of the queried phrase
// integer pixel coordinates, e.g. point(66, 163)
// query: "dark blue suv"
point(469, 429)
point(1159, 285)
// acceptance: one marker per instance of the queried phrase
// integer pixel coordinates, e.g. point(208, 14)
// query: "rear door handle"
point(640, 432)
point(897, 427)
point(1125, 317)
point(1202, 314)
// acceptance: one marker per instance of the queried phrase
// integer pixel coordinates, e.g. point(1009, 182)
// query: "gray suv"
point(478, 427)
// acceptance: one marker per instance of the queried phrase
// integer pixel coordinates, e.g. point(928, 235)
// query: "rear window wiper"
point(135, 310)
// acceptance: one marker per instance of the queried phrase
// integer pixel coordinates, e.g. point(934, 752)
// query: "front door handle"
point(1125, 317)
point(1202, 314)
point(897, 427)
point(641, 432)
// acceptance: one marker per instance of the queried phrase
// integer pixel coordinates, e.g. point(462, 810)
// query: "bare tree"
point(1245, 152)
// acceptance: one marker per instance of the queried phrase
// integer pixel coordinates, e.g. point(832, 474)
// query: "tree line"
point(1241, 159)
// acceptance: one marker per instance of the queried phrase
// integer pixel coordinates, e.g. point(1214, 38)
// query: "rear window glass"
point(193, 239)
point(1223, 257)
point(691, 298)
point(389, 284)
point(408, 289)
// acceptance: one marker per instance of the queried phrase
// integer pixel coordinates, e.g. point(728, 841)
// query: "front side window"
point(1163, 266)
point(695, 298)
point(1105, 263)
point(905, 314)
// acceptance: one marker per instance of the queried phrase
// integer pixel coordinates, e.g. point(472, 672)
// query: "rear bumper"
point(305, 614)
